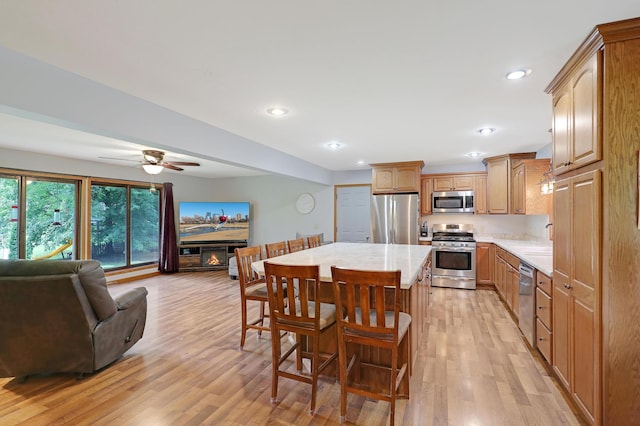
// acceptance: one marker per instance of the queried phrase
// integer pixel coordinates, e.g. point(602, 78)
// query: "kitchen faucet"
point(548, 225)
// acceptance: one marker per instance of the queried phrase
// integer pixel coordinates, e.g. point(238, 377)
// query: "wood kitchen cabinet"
point(499, 175)
point(507, 279)
point(595, 317)
point(526, 195)
point(426, 190)
point(576, 287)
point(485, 254)
point(576, 116)
point(389, 178)
point(481, 194)
point(453, 183)
point(544, 326)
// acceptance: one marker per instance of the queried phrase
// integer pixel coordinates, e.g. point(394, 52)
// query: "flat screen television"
point(213, 221)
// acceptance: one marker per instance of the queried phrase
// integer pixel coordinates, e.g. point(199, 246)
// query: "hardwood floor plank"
point(473, 368)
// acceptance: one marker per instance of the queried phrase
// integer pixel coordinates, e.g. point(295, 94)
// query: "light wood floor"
point(473, 369)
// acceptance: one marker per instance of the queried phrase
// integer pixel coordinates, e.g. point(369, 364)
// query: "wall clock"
point(305, 203)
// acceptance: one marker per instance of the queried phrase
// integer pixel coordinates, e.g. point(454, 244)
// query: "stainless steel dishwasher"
point(527, 313)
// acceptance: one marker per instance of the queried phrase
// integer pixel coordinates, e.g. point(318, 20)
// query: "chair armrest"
point(131, 298)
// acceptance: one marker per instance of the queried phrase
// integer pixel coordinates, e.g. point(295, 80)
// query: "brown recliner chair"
point(57, 316)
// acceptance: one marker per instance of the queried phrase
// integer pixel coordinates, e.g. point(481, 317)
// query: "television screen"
point(211, 221)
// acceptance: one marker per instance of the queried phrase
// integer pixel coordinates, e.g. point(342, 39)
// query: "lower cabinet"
point(485, 254)
point(507, 279)
point(544, 316)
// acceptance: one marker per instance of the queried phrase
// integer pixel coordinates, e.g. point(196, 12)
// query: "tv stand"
point(207, 256)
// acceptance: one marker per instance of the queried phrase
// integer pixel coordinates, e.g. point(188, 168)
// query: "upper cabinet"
point(499, 175)
point(453, 183)
point(426, 190)
point(389, 178)
point(526, 195)
point(576, 120)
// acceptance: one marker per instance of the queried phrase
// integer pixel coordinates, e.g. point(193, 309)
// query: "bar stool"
point(252, 288)
point(276, 249)
point(368, 314)
point(296, 286)
point(314, 241)
point(295, 245)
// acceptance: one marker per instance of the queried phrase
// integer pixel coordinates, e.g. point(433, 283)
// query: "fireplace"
point(214, 256)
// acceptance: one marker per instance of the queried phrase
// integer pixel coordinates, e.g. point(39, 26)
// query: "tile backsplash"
point(499, 226)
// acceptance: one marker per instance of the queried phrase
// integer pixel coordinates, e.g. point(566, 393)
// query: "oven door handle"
point(455, 249)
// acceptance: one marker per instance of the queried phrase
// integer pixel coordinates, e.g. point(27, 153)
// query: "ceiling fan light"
point(152, 169)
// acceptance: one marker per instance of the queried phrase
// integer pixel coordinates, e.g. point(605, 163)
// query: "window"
point(8, 217)
point(125, 225)
point(38, 217)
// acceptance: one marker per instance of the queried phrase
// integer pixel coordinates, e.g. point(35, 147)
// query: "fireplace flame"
point(213, 260)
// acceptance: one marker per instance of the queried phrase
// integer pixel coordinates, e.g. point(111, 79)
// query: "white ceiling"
point(389, 80)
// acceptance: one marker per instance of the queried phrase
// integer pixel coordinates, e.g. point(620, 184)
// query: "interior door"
point(353, 213)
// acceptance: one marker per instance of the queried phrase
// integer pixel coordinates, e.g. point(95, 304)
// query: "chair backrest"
point(367, 305)
point(293, 285)
point(245, 256)
point(314, 241)
point(295, 245)
point(276, 249)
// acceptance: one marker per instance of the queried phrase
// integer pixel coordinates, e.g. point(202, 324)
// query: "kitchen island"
point(411, 260)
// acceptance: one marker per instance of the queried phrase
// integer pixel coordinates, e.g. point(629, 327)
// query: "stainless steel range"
point(453, 262)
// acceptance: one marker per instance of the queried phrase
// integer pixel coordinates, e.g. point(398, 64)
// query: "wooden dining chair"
point(296, 286)
point(275, 249)
point(314, 241)
point(368, 314)
point(295, 245)
point(252, 289)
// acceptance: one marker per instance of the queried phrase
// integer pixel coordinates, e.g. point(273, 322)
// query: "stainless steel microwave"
point(453, 202)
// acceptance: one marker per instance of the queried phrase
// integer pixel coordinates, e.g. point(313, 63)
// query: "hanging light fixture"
point(152, 169)
point(547, 182)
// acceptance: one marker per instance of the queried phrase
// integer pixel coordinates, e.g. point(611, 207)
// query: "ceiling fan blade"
point(171, 166)
point(119, 159)
point(181, 163)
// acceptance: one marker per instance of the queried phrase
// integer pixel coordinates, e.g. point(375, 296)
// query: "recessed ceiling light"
point(519, 73)
point(486, 130)
point(360, 163)
point(277, 111)
point(333, 145)
point(473, 154)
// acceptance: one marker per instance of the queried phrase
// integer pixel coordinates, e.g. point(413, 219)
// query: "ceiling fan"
point(153, 162)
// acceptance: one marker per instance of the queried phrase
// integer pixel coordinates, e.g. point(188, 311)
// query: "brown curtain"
point(168, 241)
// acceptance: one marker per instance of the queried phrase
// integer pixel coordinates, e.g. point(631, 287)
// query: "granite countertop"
point(538, 254)
point(383, 257)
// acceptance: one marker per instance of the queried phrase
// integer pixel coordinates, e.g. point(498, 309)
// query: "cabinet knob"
point(567, 286)
point(540, 307)
point(540, 339)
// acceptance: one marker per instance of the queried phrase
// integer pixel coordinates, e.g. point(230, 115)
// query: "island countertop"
point(379, 257)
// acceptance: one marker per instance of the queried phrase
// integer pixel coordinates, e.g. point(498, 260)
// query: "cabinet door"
point(515, 294)
point(484, 263)
point(407, 179)
point(383, 179)
point(518, 189)
point(562, 269)
point(426, 191)
point(481, 195)
point(561, 131)
point(442, 184)
point(585, 283)
point(463, 183)
point(584, 136)
point(498, 175)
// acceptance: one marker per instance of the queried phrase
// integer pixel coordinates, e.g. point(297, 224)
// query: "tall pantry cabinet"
point(596, 290)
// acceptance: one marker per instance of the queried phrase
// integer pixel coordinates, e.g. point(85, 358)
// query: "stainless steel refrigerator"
point(394, 218)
